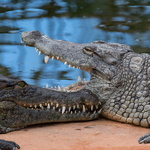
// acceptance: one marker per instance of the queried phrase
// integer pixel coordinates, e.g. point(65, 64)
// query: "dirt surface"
point(93, 135)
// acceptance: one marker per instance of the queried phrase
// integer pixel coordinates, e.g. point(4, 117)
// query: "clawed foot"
point(144, 139)
point(8, 145)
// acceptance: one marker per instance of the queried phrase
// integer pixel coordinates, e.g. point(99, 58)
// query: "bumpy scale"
point(119, 88)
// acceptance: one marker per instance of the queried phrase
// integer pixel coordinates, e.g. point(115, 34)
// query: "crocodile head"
point(98, 58)
point(22, 104)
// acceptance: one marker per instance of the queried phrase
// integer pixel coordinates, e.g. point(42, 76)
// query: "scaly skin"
point(119, 84)
point(35, 105)
point(120, 78)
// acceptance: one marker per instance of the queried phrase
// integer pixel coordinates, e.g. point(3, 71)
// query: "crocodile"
point(119, 87)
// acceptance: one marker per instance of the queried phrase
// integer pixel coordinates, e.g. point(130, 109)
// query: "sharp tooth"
point(69, 66)
point(69, 108)
point(51, 103)
point(64, 90)
point(84, 110)
point(46, 58)
point(99, 111)
point(73, 66)
point(57, 105)
point(57, 57)
point(52, 57)
point(63, 109)
point(30, 105)
point(48, 106)
point(79, 79)
point(36, 49)
point(45, 104)
point(41, 106)
point(39, 52)
point(65, 63)
point(46, 85)
point(74, 107)
point(54, 107)
point(96, 106)
point(92, 107)
point(59, 88)
point(78, 106)
point(35, 106)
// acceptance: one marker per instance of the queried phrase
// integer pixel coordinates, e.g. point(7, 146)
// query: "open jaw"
point(55, 52)
point(97, 58)
point(71, 62)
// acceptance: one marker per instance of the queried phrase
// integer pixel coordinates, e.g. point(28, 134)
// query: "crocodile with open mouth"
point(119, 88)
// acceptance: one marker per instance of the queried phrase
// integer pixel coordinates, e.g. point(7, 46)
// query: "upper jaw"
point(36, 98)
point(68, 52)
point(100, 56)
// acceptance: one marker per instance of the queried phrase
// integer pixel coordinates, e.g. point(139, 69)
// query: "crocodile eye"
point(21, 84)
point(89, 50)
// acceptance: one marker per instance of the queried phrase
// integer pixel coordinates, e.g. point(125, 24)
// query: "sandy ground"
point(101, 134)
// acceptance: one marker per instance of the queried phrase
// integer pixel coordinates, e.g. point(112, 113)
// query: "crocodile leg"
point(8, 145)
point(144, 139)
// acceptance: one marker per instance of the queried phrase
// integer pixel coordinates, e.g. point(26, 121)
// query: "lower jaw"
point(33, 117)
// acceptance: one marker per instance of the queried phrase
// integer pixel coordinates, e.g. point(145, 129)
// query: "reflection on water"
point(120, 21)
